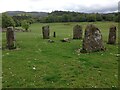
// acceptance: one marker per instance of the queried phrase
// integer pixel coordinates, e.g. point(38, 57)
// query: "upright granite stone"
point(10, 36)
point(45, 31)
point(112, 35)
point(77, 32)
point(92, 41)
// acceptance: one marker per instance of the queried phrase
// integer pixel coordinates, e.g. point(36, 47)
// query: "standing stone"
point(54, 34)
point(112, 35)
point(45, 31)
point(10, 38)
point(92, 40)
point(77, 32)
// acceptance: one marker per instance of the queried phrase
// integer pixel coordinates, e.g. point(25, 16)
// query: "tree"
point(31, 20)
point(25, 25)
point(99, 17)
point(17, 23)
point(108, 17)
point(117, 17)
point(7, 21)
point(49, 19)
point(91, 18)
point(65, 18)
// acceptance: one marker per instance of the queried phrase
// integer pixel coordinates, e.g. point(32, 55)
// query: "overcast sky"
point(102, 6)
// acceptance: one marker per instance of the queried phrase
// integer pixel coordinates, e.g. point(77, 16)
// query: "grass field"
point(37, 63)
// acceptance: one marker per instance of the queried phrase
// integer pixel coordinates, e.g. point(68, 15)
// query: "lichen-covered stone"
point(77, 32)
point(45, 31)
point(112, 35)
point(92, 40)
point(10, 36)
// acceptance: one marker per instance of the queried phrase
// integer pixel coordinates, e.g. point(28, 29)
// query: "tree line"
point(57, 16)
point(63, 16)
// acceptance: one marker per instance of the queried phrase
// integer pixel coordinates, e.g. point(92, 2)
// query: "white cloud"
point(51, 5)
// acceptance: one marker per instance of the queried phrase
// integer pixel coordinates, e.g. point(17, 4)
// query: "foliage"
point(7, 21)
point(91, 18)
point(64, 16)
point(108, 17)
point(117, 17)
point(18, 19)
point(25, 25)
point(98, 17)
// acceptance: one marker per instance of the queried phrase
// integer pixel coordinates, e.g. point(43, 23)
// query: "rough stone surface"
point(77, 32)
point(112, 35)
point(10, 36)
point(92, 40)
point(45, 31)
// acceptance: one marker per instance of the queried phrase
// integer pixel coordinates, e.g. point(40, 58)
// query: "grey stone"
point(77, 32)
point(10, 36)
point(45, 32)
point(92, 40)
point(112, 35)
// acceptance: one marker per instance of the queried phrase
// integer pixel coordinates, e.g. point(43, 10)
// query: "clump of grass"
point(51, 78)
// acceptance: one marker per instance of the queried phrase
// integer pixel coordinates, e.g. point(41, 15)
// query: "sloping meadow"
point(37, 63)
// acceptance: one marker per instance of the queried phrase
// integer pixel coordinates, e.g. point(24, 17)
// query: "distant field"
point(37, 63)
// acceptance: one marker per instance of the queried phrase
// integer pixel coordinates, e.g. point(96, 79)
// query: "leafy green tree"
point(25, 25)
point(17, 23)
point(117, 17)
point(65, 18)
point(49, 19)
point(91, 18)
point(31, 20)
point(99, 17)
point(80, 18)
point(108, 17)
point(7, 21)
point(58, 18)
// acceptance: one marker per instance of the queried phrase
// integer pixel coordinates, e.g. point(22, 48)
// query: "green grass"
point(58, 65)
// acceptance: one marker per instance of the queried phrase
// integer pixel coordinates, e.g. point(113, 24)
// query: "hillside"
point(34, 14)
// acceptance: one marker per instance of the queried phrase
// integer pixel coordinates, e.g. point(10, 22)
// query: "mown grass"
point(37, 63)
